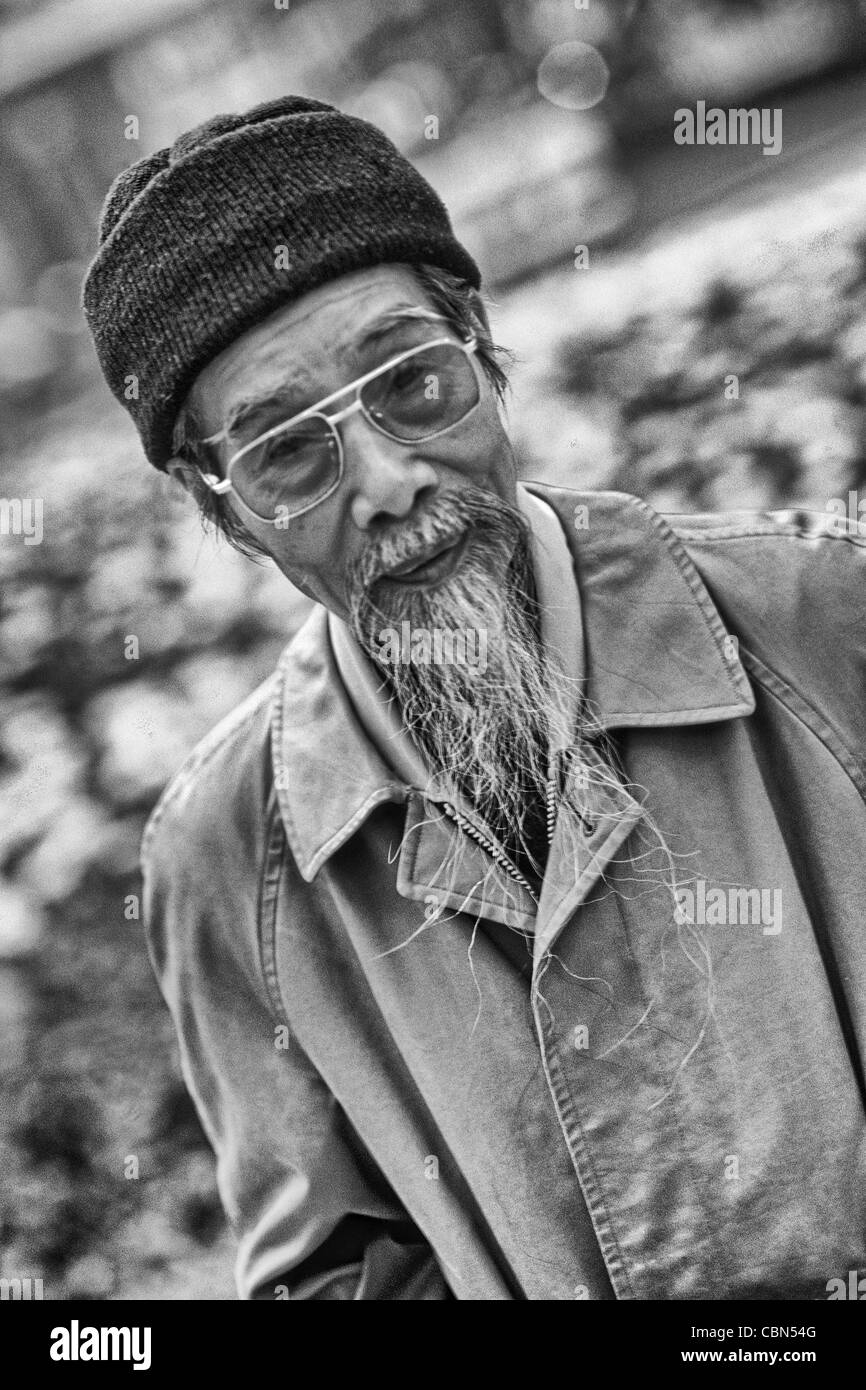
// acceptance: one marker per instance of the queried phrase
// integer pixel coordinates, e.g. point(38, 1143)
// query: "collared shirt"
point(672, 1106)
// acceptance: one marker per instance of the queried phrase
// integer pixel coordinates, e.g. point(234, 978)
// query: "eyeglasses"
point(291, 468)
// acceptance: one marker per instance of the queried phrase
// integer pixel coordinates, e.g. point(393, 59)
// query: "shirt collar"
point(621, 601)
point(559, 601)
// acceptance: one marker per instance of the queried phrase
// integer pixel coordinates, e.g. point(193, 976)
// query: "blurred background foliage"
point(547, 125)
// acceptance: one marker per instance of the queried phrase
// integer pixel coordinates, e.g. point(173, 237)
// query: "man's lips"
point(434, 562)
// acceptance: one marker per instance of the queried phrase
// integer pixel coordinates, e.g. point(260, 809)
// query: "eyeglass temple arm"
point(218, 485)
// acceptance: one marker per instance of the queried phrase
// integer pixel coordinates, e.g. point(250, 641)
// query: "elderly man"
point(513, 930)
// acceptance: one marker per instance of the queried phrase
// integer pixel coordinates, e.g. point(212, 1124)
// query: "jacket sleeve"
point(314, 1217)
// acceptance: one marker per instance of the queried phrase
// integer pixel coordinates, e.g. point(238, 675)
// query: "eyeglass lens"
point(298, 467)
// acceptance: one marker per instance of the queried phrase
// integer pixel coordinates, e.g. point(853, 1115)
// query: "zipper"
point(550, 799)
point(497, 854)
point(554, 784)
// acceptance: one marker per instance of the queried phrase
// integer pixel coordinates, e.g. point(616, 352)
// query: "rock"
point(22, 922)
point(852, 346)
point(218, 582)
point(28, 625)
point(92, 1276)
point(144, 732)
point(118, 851)
point(151, 1237)
point(28, 352)
point(215, 683)
point(74, 840)
point(48, 767)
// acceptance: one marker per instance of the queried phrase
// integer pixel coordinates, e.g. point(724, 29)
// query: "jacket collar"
point(654, 655)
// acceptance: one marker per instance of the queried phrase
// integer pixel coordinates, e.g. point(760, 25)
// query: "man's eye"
point(297, 445)
point(285, 447)
point(407, 375)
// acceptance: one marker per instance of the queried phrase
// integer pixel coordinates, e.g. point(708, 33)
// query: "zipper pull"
point(581, 780)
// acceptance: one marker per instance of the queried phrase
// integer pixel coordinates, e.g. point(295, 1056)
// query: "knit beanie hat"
point(238, 217)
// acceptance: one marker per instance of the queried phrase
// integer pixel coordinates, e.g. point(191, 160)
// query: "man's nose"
point(385, 479)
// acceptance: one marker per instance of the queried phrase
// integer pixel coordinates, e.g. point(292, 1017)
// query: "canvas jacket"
point(667, 1100)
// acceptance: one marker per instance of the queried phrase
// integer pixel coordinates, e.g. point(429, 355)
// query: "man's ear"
point(184, 473)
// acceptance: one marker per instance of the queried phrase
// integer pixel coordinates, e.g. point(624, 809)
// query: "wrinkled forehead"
point(315, 344)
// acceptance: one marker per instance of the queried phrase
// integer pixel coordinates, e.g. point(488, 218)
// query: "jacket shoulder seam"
point(778, 530)
point(802, 709)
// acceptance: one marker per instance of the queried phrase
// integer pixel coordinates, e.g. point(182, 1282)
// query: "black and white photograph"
point(433, 664)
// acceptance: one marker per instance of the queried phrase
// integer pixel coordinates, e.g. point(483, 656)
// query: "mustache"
point(449, 515)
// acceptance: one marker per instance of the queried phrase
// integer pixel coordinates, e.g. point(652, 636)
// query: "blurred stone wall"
point(126, 634)
point(719, 365)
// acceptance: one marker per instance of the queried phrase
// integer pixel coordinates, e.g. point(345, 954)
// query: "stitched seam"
point(269, 890)
point(276, 730)
point(732, 533)
point(411, 838)
point(826, 734)
point(407, 869)
point(695, 714)
point(583, 1164)
point(689, 572)
point(392, 791)
point(491, 912)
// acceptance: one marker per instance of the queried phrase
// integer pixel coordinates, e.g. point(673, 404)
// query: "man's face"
point(427, 533)
point(311, 349)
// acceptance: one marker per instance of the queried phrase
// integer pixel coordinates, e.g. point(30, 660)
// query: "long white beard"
point(484, 727)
